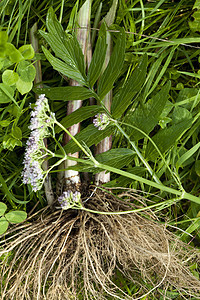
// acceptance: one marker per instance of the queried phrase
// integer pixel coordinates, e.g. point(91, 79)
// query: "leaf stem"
point(93, 162)
point(156, 147)
point(152, 173)
point(73, 138)
point(164, 204)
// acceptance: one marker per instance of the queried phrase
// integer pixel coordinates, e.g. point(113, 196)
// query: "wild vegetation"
point(99, 142)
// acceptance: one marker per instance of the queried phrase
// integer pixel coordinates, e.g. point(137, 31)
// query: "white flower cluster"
point(69, 199)
point(41, 119)
point(101, 121)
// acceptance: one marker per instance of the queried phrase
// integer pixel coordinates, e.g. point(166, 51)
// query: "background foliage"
point(154, 69)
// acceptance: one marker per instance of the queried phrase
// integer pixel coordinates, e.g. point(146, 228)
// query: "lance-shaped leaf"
point(166, 138)
point(146, 117)
point(117, 158)
point(98, 57)
point(66, 93)
point(64, 45)
point(187, 156)
point(113, 68)
point(125, 181)
point(65, 69)
point(125, 96)
point(79, 115)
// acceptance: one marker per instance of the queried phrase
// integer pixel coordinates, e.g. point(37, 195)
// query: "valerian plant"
point(88, 245)
point(140, 122)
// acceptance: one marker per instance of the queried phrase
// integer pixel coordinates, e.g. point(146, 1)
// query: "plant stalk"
point(71, 177)
point(106, 143)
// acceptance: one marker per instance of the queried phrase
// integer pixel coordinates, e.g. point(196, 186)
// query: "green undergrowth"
point(156, 103)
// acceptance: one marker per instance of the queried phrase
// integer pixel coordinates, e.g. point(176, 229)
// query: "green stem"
point(156, 147)
point(72, 137)
point(164, 204)
point(152, 173)
point(95, 163)
point(61, 11)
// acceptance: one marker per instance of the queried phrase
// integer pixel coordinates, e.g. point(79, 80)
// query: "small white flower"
point(69, 200)
point(101, 121)
point(41, 120)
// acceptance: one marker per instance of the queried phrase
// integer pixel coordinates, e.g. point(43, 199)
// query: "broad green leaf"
point(27, 51)
point(3, 37)
point(98, 57)
point(113, 68)
point(197, 4)
point(14, 55)
point(123, 181)
point(168, 107)
point(24, 86)
point(116, 158)
point(125, 96)
point(5, 63)
point(79, 115)
point(195, 24)
point(65, 46)
point(16, 133)
point(90, 136)
point(9, 77)
point(187, 155)
point(64, 68)
point(10, 142)
point(26, 71)
point(66, 93)
point(6, 93)
point(180, 114)
point(16, 216)
point(5, 123)
point(3, 208)
point(3, 225)
point(146, 116)
point(2, 54)
point(166, 138)
point(188, 98)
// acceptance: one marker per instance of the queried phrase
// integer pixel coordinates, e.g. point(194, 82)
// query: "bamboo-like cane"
point(106, 143)
point(72, 178)
point(38, 79)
